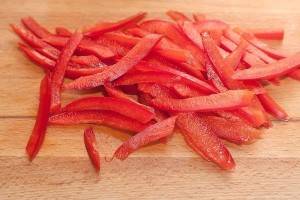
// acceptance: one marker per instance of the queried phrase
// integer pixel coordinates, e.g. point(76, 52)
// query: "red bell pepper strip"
point(38, 133)
point(35, 27)
point(233, 59)
point(272, 107)
point(268, 34)
point(138, 32)
point(214, 78)
point(87, 61)
point(101, 28)
point(137, 53)
point(149, 135)
point(175, 35)
point(198, 17)
point(86, 46)
point(204, 141)
point(269, 71)
point(277, 54)
point(234, 131)
point(228, 100)
point(62, 31)
point(60, 69)
point(177, 16)
point(91, 147)
point(114, 92)
point(118, 50)
point(107, 118)
point(186, 91)
point(295, 74)
point(191, 32)
point(48, 64)
point(121, 106)
point(155, 90)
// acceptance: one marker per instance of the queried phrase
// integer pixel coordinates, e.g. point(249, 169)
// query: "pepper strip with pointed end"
point(60, 69)
point(35, 27)
point(268, 34)
point(177, 16)
point(38, 134)
point(204, 141)
point(151, 134)
point(91, 147)
point(62, 31)
point(134, 56)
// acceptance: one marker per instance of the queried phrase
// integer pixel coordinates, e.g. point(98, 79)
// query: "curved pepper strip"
point(185, 91)
point(228, 100)
point(48, 64)
point(91, 147)
point(85, 46)
point(149, 135)
point(177, 16)
point(121, 106)
point(108, 118)
point(60, 69)
point(198, 17)
point(268, 33)
point(204, 141)
point(134, 56)
point(107, 27)
point(62, 31)
point(295, 74)
point(156, 90)
point(191, 32)
point(233, 59)
point(273, 70)
point(38, 133)
point(35, 27)
point(234, 131)
point(87, 61)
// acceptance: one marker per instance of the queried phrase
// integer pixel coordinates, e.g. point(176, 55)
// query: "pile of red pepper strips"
point(199, 74)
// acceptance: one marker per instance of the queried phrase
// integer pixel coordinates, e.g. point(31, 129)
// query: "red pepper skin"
point(121, 106)
point(138, 32)
point(156, 90)
point(87, 61)
point(228, 100)
point(60, 69)
point(199, 17)
point(107, 27)
point(136, 54)
point(191, 32)
point(234, 131)
point(268, 34)
point(204, 141)
point(114, 92)
point(151, 134)
point(272, 107)
point(35, 27)
point(233, 59)
point(185, 91)
point(91, 147)
point(38, 133)
point(85, 46)
point(295, 74)
point(269, 71)
point(62, 31)
point(107, 118)
point(118, 50)
point(177, 16)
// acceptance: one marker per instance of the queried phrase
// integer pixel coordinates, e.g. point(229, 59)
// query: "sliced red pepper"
point(191, 32)
point(295, 74)
point(228, 100)
point(174, 34)
point(91, 147)
point(62, 31)
point(204, 141)
point(108, 118)
point(198, 17)
point(35, 27)
point(38, 133)
point(186, 91)
point(269, 71)
point(107, 27)
point(60, 69)
point(233, 59)
point(118, 50)
point(138, 32)
point(232, 130)
point(114, 92)
point(86, 46)
point(272, 107)
point(277, 54)
point(214, 78)
point(177, 16)
point(268, 33)
point(121, 106)
point(149, 135)
point(87, 61)
point(156, 90)
point(137, 53)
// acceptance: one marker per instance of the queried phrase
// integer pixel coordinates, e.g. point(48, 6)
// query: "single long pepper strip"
point(35, 27)
point(91, 147)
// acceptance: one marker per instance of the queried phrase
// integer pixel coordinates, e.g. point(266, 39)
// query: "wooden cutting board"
point(268, 169)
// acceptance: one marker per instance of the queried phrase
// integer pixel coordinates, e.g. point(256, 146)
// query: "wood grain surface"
point(267, 169)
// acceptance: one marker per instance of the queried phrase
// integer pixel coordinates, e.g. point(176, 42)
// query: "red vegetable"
point(62, 31)
point(177, 16)
point(38, 133)
point(268, 34)
point(204, 141)
point(198, 17)
point(108, 118)
point(106, 27)
point(191, 32)
point(91, 147)
point(137, 53)
point(60, 69)
point(35, 27)
point(229, 100)
point(269, 71)
point(121, 106)
point(151, 134)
